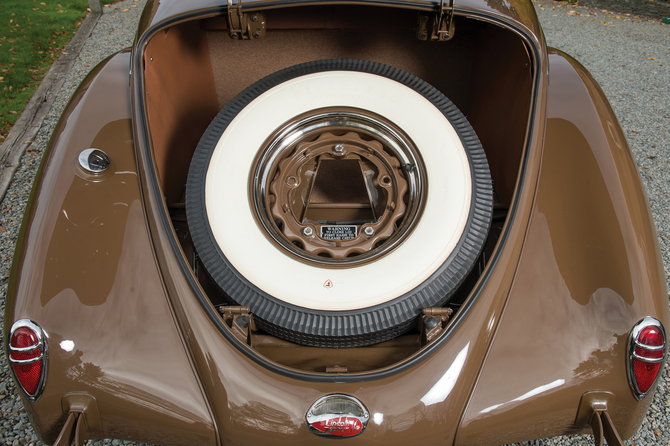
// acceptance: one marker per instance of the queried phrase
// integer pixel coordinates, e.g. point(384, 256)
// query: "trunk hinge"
point(244, 25)
point(438, 25)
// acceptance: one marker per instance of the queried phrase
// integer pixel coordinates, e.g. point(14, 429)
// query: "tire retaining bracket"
point(243, 25)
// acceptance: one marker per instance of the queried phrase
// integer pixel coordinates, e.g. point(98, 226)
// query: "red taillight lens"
point(26, 354)
point(24, 337)
point(651, 336)
point(29, 375)
point(645, 374)
point(647, 346)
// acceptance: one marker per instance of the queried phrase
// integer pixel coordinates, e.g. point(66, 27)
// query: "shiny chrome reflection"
point(292, 133)
point(94, 160)
point(22, 359)
point(645, 361)
point(337, 416)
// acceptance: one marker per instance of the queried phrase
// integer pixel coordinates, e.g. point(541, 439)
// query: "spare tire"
point(336, 199)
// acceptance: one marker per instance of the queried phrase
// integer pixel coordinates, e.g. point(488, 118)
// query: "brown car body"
point(575, 267)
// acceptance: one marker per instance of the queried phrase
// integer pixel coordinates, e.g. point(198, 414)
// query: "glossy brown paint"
point(254, 405)
point(258, 405)
point(145, 305)
point(84, 271)
point(589, 271)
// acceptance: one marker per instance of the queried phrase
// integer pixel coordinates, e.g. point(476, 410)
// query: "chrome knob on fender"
point(94, 160)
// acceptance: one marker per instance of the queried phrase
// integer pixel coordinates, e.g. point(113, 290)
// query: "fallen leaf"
point(126, 10)
point(2, 229)
point(11, 111)
point(651, 58)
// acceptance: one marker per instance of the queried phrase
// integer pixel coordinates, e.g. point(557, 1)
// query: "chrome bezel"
point(311, 418)
point(42, 344)
point(632, 344)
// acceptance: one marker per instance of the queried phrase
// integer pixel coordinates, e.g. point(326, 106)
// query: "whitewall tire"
point(424, 172)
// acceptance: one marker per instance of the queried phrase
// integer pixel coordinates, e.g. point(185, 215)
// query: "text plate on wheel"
point(339, 232)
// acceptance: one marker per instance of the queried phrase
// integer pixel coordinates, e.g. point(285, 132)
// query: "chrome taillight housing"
point(646, 353)
point(28, 357)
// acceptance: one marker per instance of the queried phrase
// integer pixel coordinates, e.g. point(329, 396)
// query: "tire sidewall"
point(446, 244)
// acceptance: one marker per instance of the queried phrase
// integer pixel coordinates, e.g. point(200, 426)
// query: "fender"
point(587, 265)
point(87, 275)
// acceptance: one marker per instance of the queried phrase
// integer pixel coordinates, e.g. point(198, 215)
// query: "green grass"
point(32, 35)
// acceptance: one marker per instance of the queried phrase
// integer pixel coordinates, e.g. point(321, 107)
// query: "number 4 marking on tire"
point(328, 284)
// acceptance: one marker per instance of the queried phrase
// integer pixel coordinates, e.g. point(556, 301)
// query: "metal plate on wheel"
point(339, 232)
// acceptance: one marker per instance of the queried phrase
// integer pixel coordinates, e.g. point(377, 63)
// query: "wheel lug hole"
point(386, 180)
point(308, 232)
point(369, 231)
point(291, 181)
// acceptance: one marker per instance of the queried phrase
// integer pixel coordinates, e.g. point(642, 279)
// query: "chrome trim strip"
point(26, 361)
point(42, 344)
point(24, 349)
point(651, 348)
point(648, 360)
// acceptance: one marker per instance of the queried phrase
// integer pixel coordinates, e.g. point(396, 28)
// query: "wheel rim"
point(338, 187)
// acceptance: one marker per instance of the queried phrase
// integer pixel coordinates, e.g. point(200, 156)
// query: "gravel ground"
point(650, 9)
point(627, 53)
